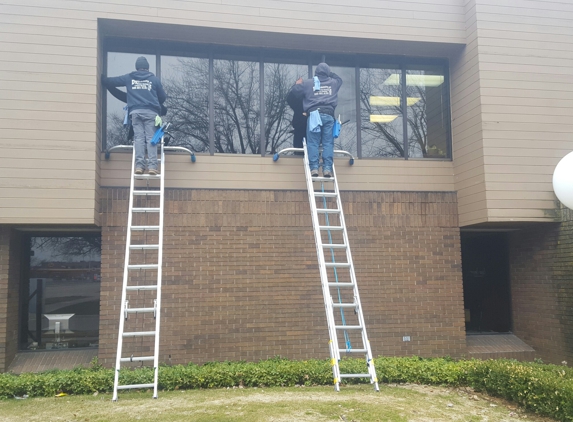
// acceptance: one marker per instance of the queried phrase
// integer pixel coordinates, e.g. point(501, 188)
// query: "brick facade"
point(541, 260)
point(10, 248)
point(241, 280)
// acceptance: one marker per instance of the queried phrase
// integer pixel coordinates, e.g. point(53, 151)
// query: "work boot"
point(153, 172)
point(327, 173)
point(314, 173)
point(138, 171)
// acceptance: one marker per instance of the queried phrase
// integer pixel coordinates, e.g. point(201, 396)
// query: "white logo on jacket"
point(141, 84)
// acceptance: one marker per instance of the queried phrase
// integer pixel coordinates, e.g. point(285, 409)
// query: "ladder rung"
point(127, 387)
point(139, 334)
point(144, 227)
point(146, 176)
point(141, 287)
point(327, 211)
point(140, 247)
point(337, 264)
point(138, 359)
point(331, 227)
point(146, 209)
point(341, 284)
point(134, 310)
point(353, 350)
point(146, 192)
point(334, 245)
point(323, 179)
point(355, 376)
point(326, 194)
point(143, 267)
point(344, 305)
point(348, 327)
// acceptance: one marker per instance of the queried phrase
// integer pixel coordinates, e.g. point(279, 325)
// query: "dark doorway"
point(485, 267)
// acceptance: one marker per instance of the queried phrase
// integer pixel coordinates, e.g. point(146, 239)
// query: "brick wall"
point(541, 259)
point(241, 278)
point(9, 295)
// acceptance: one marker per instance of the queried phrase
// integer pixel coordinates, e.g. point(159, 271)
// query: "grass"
point(356, 403)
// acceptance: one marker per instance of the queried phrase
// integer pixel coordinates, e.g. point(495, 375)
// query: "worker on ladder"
point(320, 98)
point(145, 96)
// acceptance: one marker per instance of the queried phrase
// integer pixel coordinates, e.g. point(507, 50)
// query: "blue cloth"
point(336, 128)
point(316, 84)
point(314, 121)
point(314, 139)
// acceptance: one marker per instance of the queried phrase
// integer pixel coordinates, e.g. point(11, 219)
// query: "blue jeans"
point(143, 122)
point(313, 140)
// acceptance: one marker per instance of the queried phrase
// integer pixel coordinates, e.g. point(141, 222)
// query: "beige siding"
point(50, 99)
point(467, 130)
point(526, 63)
point(256, 172)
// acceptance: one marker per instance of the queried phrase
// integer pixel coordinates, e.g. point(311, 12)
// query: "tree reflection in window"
point(186, 82)
point(237, 107)
point(381, 113)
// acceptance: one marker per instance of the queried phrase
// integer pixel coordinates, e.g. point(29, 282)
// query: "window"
point(187, 82)
point(382, 132)
point(62, 292)
point(233, 100)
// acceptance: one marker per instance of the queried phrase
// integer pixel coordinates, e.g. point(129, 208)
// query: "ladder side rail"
point(159, 272)
point(333, 340)
point(125, 279)
point(360, 314)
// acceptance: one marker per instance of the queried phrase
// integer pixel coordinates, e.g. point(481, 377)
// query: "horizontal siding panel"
point(48, 125)
point(31, 67)
point(26, 106)
point(77, 43)
point(46, 204)
point(287, 173)
point(40, 32)
point(40, 59)
point(520, 195)
point(55, 97)
point(51, 78)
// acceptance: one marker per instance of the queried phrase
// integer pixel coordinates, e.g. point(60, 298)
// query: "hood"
point(322, 70)
point(141, 74)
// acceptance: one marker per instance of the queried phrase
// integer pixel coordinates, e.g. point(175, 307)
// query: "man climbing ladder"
point(338, 279)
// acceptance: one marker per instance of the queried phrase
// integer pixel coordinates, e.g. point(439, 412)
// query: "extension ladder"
point(337, 275)
point(141, 291)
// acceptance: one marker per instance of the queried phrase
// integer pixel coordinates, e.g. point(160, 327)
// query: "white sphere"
point(563, 180)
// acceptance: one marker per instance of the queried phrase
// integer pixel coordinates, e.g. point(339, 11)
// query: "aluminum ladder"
point(142, 270)
point(338, 279)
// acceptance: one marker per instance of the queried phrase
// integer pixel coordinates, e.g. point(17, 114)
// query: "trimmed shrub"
point(544, 389)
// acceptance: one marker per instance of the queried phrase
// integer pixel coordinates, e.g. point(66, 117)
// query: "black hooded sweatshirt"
point(144, 90)
point(325, 99)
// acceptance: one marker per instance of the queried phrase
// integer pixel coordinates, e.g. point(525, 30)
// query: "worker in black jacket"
point(145, 95)
point(298, 122)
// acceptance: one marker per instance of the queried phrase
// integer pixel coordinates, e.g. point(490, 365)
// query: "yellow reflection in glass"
point(416, 80)
point(391, 101)
point(382, 118)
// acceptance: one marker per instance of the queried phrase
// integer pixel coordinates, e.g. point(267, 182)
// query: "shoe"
point(153, 172)
point(327, 173)
point(138, 171)
point(314, 173)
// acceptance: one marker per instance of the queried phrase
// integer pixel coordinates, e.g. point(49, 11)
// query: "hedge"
point(544, 389)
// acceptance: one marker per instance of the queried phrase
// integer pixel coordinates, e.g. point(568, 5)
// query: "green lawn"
point(358, 403)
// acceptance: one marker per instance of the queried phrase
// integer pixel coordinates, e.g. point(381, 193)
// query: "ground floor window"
point(60, 292)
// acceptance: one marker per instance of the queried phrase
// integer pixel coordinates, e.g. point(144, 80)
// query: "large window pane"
point(120, 64)
point(62, 306)
point(381, 112)
point(186, 82)
point(428, 121)
point(237, 107)
point(279, 78)
point(346, 108)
